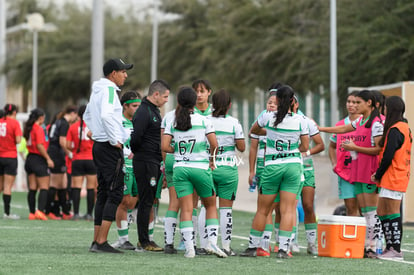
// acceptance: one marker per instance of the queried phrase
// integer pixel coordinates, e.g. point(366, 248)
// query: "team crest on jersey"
point(153, 182)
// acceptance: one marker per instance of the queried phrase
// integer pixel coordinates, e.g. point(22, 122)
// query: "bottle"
point(378, 249)
point(254, 184)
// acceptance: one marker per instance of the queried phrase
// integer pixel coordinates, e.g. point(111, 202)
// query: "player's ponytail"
point(221, 103)
point(81, 111)
point(33, 117)
point(186, 99)
point(285, 103)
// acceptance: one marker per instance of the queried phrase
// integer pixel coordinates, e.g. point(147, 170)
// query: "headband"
point(132, 100)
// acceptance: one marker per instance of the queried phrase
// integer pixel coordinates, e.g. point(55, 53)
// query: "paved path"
point(326, 198)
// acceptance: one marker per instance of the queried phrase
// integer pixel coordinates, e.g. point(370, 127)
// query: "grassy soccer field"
point(61, 247)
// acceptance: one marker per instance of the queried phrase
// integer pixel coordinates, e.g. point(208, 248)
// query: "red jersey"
point(37, 136)
point(85, 148)
point(9, 130)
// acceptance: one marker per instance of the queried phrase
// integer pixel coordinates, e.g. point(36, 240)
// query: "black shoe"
point(127, 246)
point(201, 251)
point(106, 248)
point(281, 254)
point(249, 252)
point(229, 252)
point(169, 249)
point(369, 253)
point(93, 247)
point(152, 246)
point(76, 217)
point(88, 217)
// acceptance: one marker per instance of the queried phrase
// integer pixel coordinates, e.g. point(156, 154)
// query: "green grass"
point(61, 247)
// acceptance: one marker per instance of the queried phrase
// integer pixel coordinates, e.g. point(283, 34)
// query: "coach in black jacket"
point(146, 146)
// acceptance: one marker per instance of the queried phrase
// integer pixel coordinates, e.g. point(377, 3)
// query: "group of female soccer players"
point(379, 168)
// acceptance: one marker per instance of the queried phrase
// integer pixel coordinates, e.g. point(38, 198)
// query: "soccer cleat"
point(190, 253)
point(214, 249)
point(104, 248)
point(93, 247)
point(169, 249)
point(88, 217)
point(312, 249)
point(249, 252)
point(11, 217)
point(229, 252)
point(124, 246)
point(201, 251)
point(276, 248)
point(32, 216)
point(52, 216)
point(139, 248)
point(391, 254)
point(40, 215)
point(262, 253)
point(281, 254)
point(294, 247)
point(76, 217)
point(152, 246)
point(369, 253)
point(67, 216)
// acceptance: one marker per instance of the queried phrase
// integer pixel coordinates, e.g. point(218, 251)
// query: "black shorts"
point(58, 157)
point(8, 166)
point(36, 164)
point(83, 167)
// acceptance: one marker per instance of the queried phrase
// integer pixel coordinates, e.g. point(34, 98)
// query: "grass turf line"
point(39, 247)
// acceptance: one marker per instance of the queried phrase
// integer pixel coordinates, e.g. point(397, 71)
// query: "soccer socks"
point(293, 235)
point(76, 200)
point(90, 200)
point(170, 225)
point(226, 227)
point(267, 235)
point(63, 201)
point(276, 229)
point(202, 230)
point(31, 200)
point(123, 232)
point(254, 238)
point(392, 227)
point(373, 226)
point(310, 229)
point(42, 200)
point(212, 230)
point(284, 240)
point(187, 234)
point(6, 202)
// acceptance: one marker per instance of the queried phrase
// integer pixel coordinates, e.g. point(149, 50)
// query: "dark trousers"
point(146, 175)
point(109, 162)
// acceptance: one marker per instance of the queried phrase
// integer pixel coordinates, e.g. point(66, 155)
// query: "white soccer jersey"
point(282, 143)
point(228, 130)
point(190, 148)
point(313, 130)
point(167, 119)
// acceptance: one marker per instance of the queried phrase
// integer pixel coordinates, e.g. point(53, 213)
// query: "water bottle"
point(378, 249)
point(254, 184)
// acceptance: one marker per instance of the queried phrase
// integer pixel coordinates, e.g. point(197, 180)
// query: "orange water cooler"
point(341, 236)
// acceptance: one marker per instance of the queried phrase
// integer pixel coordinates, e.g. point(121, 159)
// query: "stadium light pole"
point(3, 80)
point(154, 52)
point(35, 24)
point(97, 45)
point(333, 65)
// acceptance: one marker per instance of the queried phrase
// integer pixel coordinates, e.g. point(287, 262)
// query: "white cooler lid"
point(336, 219)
